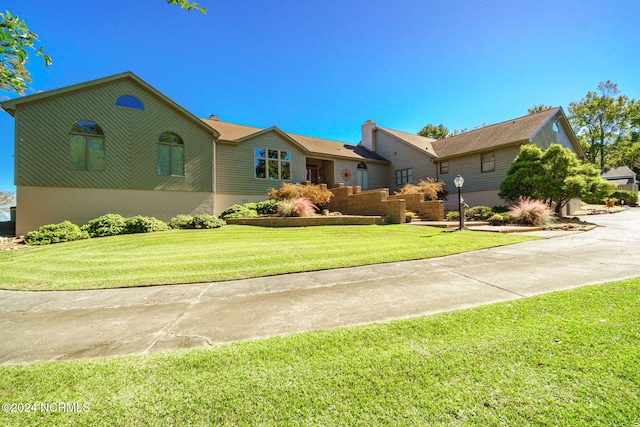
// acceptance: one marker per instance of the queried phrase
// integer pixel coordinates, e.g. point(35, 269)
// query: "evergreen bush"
point(205, 221)
point(105, 225)
point(55, 233)
point(247, 210)
point(144, 224)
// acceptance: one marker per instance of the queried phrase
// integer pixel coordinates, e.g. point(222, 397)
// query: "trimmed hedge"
point(199, 222)
point(247, 210)
point(55, 233)
point(144, 224)
point(105, 225)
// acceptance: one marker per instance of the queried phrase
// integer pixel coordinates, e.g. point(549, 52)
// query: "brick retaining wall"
point(352, 201)
point(433, 209)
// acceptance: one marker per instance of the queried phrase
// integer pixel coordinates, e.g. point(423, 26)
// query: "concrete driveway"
point(80, 324)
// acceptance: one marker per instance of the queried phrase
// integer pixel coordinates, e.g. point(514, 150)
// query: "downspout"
point(214, 174)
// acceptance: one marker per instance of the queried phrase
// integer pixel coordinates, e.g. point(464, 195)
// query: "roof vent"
point(214, 117)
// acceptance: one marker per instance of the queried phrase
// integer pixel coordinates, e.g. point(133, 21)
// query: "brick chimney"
point(368, 141)
point(214, 117)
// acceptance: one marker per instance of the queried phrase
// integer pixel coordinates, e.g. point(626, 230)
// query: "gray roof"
point(619, 172)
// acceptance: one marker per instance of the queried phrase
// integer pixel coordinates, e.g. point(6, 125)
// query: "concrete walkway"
point(80, 324)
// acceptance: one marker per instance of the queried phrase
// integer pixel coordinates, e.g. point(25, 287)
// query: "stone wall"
point(352, 201)
point(433, 209)
point(308, 221)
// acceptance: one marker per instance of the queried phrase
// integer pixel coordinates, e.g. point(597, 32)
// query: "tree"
point(188, 5)
point(525, 175)
point(7, 199)
point(435, 132)
point(605, 123)
point(17, 40)
point(555, 176)
point(538, 109)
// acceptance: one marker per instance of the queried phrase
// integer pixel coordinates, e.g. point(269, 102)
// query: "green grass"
point(232, 252)
point(565, 358)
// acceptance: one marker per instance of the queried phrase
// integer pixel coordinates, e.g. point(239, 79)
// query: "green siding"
point(42, 141)
point(547, 136)
point(474, 179)
point(235, 172)
point(403, 156)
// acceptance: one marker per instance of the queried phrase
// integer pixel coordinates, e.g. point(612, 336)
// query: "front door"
point(312, 174)
point(363, 179)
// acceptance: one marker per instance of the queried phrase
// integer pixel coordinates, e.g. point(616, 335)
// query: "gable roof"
point(420, 142)
point(619, 172)
point(510, 132)
point(11, 105)
point(234, 133)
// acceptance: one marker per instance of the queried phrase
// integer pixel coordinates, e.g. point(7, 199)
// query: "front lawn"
point(562, 359)
point(231, 252)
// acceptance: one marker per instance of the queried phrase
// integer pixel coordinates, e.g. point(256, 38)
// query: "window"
point(404, 176)
point(488, 162)
point(170, 155)
point(86, 146)
point(271, 164)
point(129, 101)
point(554, 126)
point(444, 167)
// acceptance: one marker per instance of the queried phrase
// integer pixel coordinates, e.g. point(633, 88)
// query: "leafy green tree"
point(538, 109)
point(525, 176)
point(435, 132)
point(555, 176)
point(188, 5)
point(605, 124)
point(17, 41)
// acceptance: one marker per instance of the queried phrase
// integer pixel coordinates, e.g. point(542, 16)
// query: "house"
point(622, 176)
point(117, 145)
point(482, 156)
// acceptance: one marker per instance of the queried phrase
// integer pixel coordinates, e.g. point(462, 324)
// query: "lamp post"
point(458, 181)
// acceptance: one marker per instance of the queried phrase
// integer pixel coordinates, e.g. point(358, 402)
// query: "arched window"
point(130, 101)
point(86, 146)
point(170, 155)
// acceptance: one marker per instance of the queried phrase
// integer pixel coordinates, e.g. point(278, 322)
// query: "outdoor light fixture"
point(458, 181)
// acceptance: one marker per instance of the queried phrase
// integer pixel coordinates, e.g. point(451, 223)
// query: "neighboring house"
point(622, 176)
point(482, 156)
point(117, 145)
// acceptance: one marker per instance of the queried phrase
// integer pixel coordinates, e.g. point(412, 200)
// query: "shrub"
point(205, 221)
point(316, 194)
point(240, 211)
point(432, 189)
point(268, 207)
point(181, 221)
point(453, 216)
point(479, 213)
point(629, 198)
point(55, 233)
point(144, 224)
point(500, 209)
point(534, 212)
point(296, 207)
point(105, 225)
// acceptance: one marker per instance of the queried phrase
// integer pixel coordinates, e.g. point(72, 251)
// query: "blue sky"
point(321, 68)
